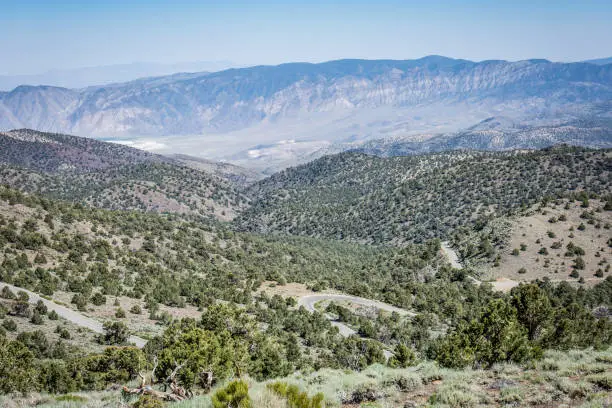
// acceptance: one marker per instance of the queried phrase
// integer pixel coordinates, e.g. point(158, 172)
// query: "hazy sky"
point(38, 35)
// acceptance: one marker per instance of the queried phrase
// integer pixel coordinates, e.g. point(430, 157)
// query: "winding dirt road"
point(501, 284)
point(310, 301)
point(71, 315)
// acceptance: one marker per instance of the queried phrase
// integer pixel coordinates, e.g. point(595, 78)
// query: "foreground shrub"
point(453, 396)
point(295, 398)
point(364, 393)
point(497, 336)
point(147, 401)
point(234, 395)
point(603, 381)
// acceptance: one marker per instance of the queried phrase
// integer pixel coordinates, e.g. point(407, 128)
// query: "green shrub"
point(603, 380)
point(364, 393)
point(454, 396)
point(63, 332)
point(510, 395)
point(7, 293)
point(98, 299)
point(496, 336)
point(120, 313)
point(407, 382)
point(295, 398)
point(114, 333)
point(36, 318)
point(403, 357)
point(9, 325)
point(41, 307)
point(147, 401)
point(234, 395)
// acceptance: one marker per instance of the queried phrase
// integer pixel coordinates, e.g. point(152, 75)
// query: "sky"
point(40, 35)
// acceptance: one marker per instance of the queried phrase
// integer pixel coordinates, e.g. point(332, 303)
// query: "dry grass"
point(560, 379)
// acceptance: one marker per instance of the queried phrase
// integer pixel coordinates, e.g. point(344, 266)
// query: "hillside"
point(240, 175)
point(113, 176)
point(206, 301)
point(53, 153)
point(352, 196)
point(559, 240)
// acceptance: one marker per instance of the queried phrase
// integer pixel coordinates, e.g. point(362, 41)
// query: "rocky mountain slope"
point(240, 98)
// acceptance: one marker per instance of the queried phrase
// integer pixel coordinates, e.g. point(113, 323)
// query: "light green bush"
point(296, 398)
point(603, 380)
point(234, 395)
point(453, 395)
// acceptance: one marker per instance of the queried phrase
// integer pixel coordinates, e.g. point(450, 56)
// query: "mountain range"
point(275, 116)
point(238, 98)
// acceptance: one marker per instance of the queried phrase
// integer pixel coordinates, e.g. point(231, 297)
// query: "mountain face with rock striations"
point(237, 99)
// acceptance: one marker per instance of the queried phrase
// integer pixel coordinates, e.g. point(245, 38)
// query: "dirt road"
point(71, 315)
point(451, 255)
point(501, 284)
point(310, 301)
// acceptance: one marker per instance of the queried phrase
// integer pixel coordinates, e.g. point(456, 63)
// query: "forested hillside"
point(54, 152)
point(113, 176)
point(135, 248)
point(160, 265)
point(352, 196)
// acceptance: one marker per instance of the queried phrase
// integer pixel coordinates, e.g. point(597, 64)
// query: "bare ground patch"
point(538, 246)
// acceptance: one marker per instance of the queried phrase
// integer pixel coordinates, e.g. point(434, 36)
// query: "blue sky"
point(38, 35)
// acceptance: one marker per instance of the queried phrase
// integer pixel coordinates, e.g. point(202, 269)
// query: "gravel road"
point(501, 284)
point(310, 301)
point(71, 315)
point(451, 255)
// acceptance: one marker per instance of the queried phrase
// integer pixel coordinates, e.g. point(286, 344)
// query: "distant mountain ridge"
point(108, 74)
point(238, 99)
point(600, 61)
point(497, 133)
